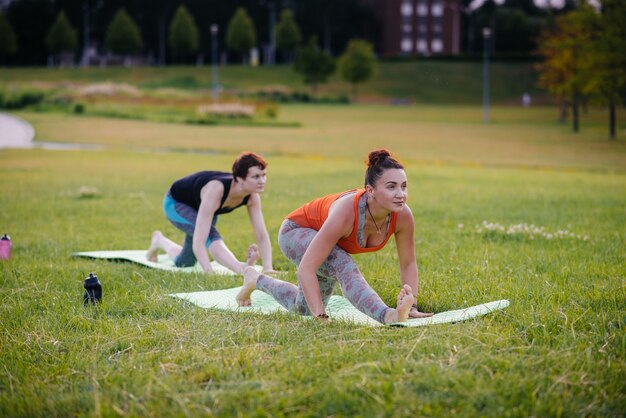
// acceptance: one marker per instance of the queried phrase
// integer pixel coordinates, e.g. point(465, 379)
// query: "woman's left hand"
point(414, 313)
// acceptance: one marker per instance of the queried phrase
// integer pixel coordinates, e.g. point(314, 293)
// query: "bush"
point(78, 108)
point(19, 99)
point(282, 94)
point(268, 109)
point(271, 112)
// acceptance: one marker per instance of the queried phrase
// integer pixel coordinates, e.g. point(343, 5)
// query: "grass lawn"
point(433, 134)
point(422, 81)
point(558, 350)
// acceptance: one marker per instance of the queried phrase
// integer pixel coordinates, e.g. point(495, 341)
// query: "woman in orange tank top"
point(320, 236)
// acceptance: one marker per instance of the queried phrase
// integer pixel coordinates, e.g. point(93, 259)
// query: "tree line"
point(333, 22)
point(123, 37)
point(584, 59)
point(515, 24)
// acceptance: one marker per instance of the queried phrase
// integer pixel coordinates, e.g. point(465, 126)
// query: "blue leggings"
point(338, 267)
point(183, 217)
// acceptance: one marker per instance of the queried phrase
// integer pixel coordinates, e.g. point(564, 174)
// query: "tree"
point(8, 40)
point(62, 36)
point(123, 36)
point(183, 37)
point(608, 76)
point(314, 64)
point(515, 25)
point(357, 64)
point(516, 31)
point(336, 22)
point(567, 53)
point(240, 35)
point(287, 34)
point(31, 20)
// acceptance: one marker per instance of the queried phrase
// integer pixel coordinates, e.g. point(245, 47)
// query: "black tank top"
point(187, 190)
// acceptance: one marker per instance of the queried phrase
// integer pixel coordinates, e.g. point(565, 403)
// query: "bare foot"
point(253, 255)
point(151, 255)
point(250, 276)
point(405, 302)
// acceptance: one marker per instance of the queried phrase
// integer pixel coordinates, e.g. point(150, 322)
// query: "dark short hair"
point(244, 161)
point(377, 162)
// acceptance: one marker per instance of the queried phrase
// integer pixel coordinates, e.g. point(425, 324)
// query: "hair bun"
point(377, 156)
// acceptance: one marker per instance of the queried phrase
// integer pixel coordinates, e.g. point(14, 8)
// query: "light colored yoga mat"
point(163, 263)
point(339, 308)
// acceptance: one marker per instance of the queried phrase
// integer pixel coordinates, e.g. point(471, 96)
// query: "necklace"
point(378, 229)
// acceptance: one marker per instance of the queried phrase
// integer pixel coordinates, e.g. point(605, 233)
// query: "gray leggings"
point(338, 267)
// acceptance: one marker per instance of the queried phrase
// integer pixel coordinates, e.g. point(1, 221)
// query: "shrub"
point(79, 108)
point(19, 99)
point(268, 109)
point(282, 94)
point(275, 93)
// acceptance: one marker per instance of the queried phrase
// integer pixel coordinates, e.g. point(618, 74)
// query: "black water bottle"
point(93, 290)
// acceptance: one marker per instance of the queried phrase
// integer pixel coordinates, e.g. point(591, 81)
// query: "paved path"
point(15, 132)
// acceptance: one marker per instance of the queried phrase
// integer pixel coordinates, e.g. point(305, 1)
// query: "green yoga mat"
point(163, 263)
point(339, 308)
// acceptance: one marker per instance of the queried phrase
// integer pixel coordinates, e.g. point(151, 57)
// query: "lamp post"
point(486, 39)
point(270, 52)
point(272, 47)
point(88, 15)
point(86, 30)
point(214, 92)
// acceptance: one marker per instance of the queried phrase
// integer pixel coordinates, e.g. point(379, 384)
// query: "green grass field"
point(423, 81)
point(558, 350)
point(529, 137)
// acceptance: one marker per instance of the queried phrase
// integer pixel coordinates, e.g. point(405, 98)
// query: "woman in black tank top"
point(193, 204)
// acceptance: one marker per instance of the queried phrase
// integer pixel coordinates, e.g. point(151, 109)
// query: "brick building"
point(420, 27)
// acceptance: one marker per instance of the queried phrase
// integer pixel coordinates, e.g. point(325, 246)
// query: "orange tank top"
point(314, 214)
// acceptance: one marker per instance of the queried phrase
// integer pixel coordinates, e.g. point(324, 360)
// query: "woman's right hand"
point(414, 313)
point(323, 318)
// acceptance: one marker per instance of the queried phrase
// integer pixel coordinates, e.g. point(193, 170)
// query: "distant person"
point(320, 236)
point(526, 99)
point(193, 204)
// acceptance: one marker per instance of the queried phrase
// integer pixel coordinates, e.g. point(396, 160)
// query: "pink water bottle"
point(5, 247)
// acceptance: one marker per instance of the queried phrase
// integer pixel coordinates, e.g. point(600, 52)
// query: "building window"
point(436, 45)
point(407, 28)
point(406, 45)
point(406, 9)
point(422, 24)
point(422, 9)
point(437, 28)
point(422, 46)
point(436, 9)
